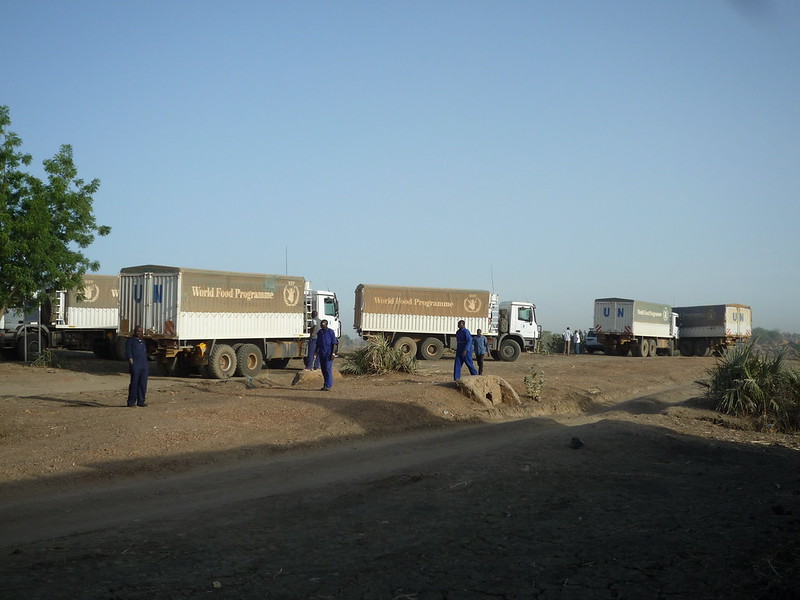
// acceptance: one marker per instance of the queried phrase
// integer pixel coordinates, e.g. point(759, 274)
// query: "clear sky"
point(552, 151)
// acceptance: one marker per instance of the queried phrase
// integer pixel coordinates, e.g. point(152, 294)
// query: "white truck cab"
point(327, 306)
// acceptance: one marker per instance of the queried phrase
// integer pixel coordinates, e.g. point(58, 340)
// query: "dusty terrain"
point(391, 487)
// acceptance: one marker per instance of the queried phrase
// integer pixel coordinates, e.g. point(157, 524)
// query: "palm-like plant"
point(746, 382)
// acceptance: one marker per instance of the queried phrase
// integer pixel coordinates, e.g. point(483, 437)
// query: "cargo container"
point(80, 319)
point(423, 321)
point(706, 330)
point(623, 325)
point(220, 323)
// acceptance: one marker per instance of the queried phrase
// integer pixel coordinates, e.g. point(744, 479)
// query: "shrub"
point(47, 358)
point(747, 382)
point(377, 356)
point(534, 382)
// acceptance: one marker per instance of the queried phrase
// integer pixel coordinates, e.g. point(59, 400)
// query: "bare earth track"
point(393, 487)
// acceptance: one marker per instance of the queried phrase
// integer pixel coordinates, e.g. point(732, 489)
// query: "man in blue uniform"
point(463, 351)
point(136, 353)
point(327, 345)
point(481, 345)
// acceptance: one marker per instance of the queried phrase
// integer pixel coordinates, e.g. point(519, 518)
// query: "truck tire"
point(641, 348)
point(33, 349)
point(701, 348)
point(431, 349)
point(119, 348)
point(652, 347)
point(686, 348)
point(495, 354)
point(406, 345)
point(249, 360)
point(509, 350)
point(221, 362)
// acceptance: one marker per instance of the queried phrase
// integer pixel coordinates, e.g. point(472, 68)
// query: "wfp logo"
point(91, 291)
point(291, 294)
point(472, 304)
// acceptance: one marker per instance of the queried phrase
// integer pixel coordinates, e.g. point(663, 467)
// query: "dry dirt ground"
point(391, 487)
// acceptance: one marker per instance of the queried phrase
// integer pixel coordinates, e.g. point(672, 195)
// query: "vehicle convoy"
point(220, 323)
point(422, 321)
point(77, 319)
point(646, 329)
point(707, 330)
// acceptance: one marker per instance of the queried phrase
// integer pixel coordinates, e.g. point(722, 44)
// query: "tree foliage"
point(44, 224)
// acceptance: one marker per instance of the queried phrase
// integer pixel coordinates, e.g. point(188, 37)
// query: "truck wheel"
point(431, 349)
point(701, 348)
point(221, 362)
point(32, 347)
point(249, 360)
point(119, 348)
point(407, 346)
point(641, 348)
point(495, 354)
point(652, 347)
point(686, 348)
point(509, 350)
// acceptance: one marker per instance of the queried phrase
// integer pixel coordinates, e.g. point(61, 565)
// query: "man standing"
point(463, 351)
point(481, 349)
point(136, 353)
point(576, 341)
point(567, 336)
point(327, 345)
point(312, 361)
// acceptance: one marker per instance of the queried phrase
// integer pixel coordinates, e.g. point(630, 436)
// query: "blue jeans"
point(312, 354)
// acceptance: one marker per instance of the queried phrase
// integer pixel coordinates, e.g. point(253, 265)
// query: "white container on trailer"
point(189, 314)
point(423, 321)
point(646, 328)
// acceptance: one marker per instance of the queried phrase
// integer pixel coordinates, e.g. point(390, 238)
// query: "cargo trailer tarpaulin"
point(435, 302)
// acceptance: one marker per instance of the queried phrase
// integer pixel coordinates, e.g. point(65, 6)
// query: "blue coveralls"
point(326, 341)
point(312, 360)
point(463, 353)
point(136, 349)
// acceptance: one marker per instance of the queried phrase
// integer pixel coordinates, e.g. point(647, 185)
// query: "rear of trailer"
point(710, 329)
point(625, 325)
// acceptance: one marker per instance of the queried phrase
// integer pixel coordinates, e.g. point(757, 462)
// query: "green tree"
point(44, 225)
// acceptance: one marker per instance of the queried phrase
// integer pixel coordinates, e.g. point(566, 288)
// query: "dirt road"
point(392, 487)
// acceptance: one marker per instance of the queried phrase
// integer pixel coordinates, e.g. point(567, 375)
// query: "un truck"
point(710, 329)
point(423, 321)
point(623, 325)
point(84, 318)
point(219, 323)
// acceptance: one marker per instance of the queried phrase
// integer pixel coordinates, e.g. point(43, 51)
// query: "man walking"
point(327, 344)
point(481, 345)
point(136, 353)
point(463, 351)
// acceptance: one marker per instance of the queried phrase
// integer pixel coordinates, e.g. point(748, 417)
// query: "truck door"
point(328, 308)
point(523, 323)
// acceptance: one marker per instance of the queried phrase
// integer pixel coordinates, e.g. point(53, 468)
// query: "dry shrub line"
point(377, 357)
point(746, 382)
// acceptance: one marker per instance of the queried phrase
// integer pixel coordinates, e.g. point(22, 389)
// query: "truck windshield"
point(331, 310)
point(525, 313)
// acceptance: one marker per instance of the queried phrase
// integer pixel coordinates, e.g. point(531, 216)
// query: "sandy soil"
point(391, 487)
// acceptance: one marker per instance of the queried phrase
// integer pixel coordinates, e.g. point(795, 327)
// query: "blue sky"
point(552, 151)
